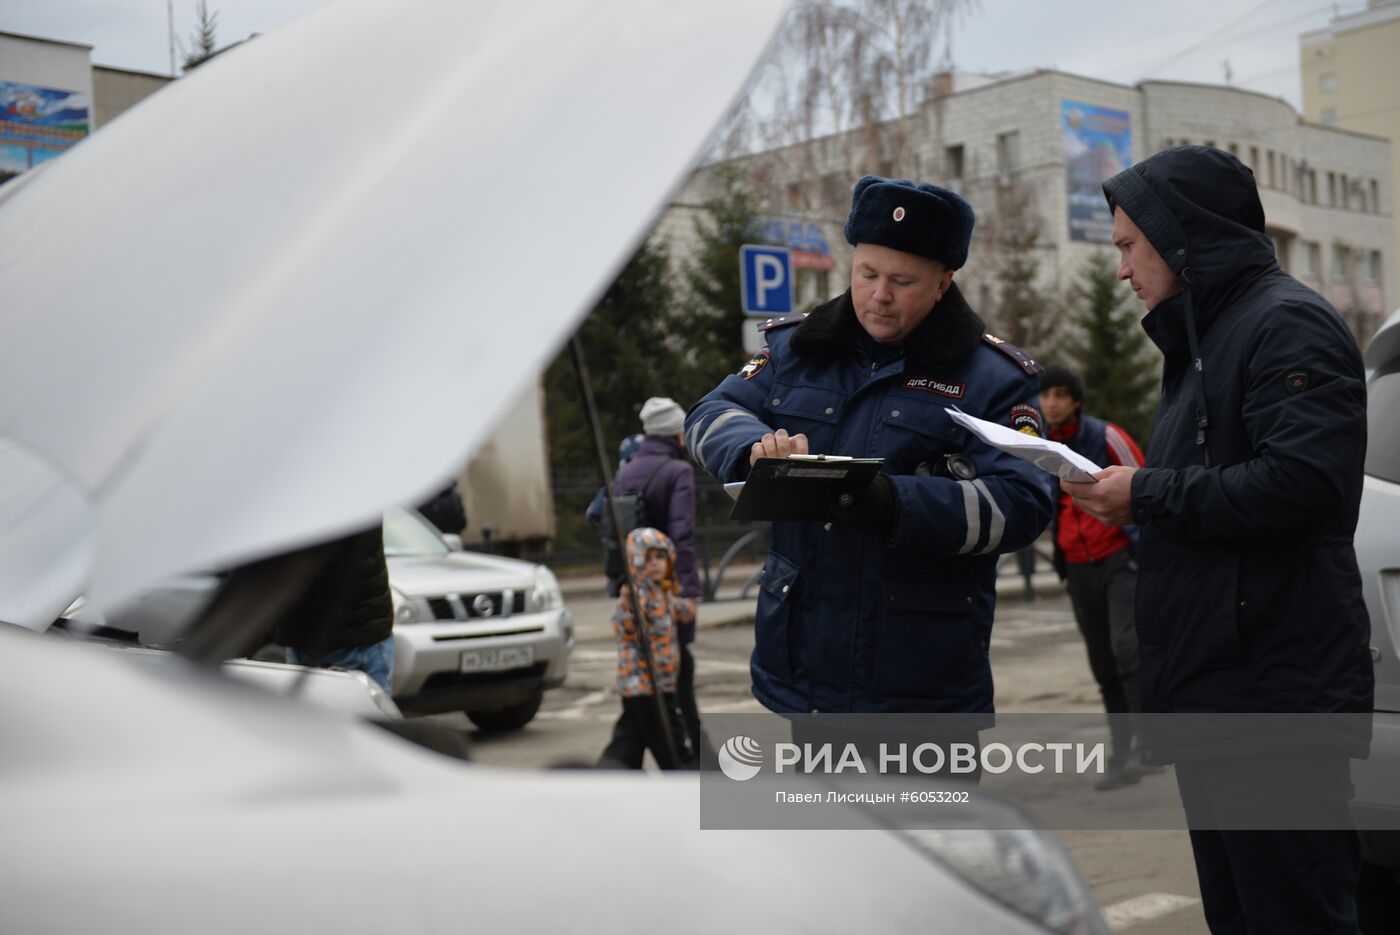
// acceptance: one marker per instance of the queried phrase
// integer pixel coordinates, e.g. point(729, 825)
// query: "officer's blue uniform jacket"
point(854, 621)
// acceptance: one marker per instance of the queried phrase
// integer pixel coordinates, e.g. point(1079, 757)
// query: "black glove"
point(874, 509)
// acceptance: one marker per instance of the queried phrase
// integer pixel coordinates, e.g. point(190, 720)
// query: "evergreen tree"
point(711, 324)
point(202, 43)
point(630, 355)
point(642, 340)
point(1024, 315)
point(1110, 352)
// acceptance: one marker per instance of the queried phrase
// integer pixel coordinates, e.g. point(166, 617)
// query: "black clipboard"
point(801, 487)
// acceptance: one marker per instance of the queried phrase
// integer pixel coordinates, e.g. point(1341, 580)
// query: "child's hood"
point(644, 538)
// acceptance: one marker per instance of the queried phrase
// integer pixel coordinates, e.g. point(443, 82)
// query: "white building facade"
point(1055, 137)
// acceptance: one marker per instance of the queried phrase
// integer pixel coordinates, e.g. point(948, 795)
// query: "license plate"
point(494, 660)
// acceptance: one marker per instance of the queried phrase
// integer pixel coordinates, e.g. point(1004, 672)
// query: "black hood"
point(1199, 207)
point(944, 339)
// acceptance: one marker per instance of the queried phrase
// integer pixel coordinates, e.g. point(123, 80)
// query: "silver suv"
point(476, 633)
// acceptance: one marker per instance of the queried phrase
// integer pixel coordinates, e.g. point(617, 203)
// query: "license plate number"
point(494, 660)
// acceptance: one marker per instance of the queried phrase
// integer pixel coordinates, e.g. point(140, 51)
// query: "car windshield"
point(408, 533)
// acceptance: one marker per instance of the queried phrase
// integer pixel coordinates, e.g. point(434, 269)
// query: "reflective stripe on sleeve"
point(727, 416)
point(974, 516)
point(998, 519)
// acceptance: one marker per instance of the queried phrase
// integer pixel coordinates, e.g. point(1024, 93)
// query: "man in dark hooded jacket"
point(1249, 597)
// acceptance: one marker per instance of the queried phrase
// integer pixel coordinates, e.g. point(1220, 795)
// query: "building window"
point(1332, 189)
point(953, 161)
point(1009, 151)
point(1167, 142)
point(834, 191)
point(794, 194)
point(1375, 196)
point(1346, 193)
point(886, 169)
point(1254, 159)
point(1341, 262)
point(1312, 259)
point(1312, 186)
point(1235, 150)
point(1327, 81)
point(1373, 266)
point(1273, 176)
point(1329, 115)
point(1210, 143)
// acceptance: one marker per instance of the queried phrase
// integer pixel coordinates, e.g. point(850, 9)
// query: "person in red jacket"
point(1096, 563)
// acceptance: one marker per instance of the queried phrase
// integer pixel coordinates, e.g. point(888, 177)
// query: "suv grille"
point(477, 606)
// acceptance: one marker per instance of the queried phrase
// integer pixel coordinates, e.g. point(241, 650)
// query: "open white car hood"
point(378, 220)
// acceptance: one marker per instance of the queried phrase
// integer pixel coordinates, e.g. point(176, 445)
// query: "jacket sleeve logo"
point(752, 368)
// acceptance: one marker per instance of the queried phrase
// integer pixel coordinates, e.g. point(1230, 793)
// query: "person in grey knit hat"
point(661, 416)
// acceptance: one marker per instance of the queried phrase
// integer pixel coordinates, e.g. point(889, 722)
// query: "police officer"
point(886, 605)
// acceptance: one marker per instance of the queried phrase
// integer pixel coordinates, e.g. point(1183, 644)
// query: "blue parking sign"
point(765, 272)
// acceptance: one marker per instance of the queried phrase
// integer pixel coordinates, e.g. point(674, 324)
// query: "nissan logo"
point(483, 606)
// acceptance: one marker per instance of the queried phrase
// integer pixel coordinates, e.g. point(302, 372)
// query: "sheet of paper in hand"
point(1050, 456)
point(800, 486)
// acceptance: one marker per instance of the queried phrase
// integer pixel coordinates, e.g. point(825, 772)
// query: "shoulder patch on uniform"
point(1025, 419)
point(1023, 360)
point(783, 322)
point(760, 360)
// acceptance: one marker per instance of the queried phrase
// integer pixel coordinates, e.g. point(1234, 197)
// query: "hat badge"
point(899, 213)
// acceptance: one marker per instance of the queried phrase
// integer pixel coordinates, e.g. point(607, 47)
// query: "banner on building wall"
point(1098, 145)
point(37, 124)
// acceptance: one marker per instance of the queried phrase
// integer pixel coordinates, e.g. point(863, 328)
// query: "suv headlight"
point(545, 595)
point(410, 609)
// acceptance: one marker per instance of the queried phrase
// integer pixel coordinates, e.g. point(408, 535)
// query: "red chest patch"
point(938, 387)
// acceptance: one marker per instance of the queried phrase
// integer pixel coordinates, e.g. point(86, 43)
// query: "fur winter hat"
point(924, 220)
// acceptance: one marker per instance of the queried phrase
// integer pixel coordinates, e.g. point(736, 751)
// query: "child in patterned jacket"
point(652, 557)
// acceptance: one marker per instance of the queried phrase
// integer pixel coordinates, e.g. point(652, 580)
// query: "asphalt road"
point(1144, 880)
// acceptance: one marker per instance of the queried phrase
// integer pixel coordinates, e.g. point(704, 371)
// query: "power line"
point(1267, 74)
point(1201, 42)
point(1219, 33)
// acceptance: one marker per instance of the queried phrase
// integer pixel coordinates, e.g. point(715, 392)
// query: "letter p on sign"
point(766, 275)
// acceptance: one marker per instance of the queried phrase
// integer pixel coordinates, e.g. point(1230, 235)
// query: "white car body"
point(242, 291)
point(1377, 798)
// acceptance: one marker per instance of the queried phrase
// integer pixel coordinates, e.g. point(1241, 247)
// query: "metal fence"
point(719, 541)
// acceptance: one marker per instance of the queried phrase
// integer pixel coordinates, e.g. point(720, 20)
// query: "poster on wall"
point(1098, 145)
point(37, 124)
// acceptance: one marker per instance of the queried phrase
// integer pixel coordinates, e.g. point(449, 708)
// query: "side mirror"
point(454, 541)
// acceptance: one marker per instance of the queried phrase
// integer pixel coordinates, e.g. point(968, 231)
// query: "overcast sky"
point(1118, 41)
